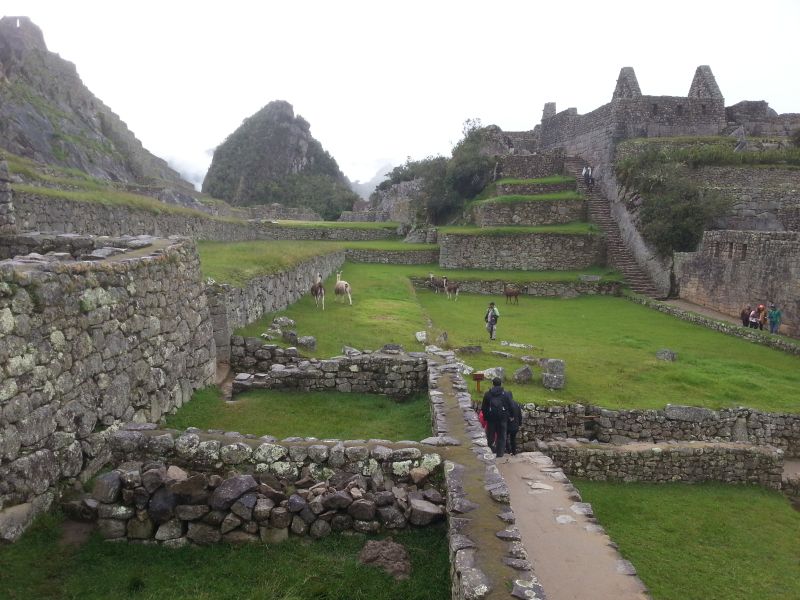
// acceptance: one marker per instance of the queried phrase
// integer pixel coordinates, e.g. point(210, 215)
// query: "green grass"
point(237, 263)
point(38, 567)
point(308, 414)
point(394, 245)
point(339, 224)
point(552, 179)
point(518, 277)
point(695, 542)
point(609, 343)
point(576, 228)
point(550, 197)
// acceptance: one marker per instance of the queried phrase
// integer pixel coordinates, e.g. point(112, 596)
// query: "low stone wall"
point(394, 257)
point(265, 366)
point(527, 252)
point(85, 346)
point(682, 423)
point(533, 212)
point(279, 212)
point(691, 462)
point(354, 234)
point(8, 222)
point(242, 489)
point(557, 289)
point(234, 307)
point(531, 166)
point(360, 216)
point(753, 335)
point(533, 189)
point(44, 213)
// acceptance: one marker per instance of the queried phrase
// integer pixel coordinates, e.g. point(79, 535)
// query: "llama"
point(318, 292)
point(437, 283)
point(512, 294)
point(342, 288)
point(452, 290)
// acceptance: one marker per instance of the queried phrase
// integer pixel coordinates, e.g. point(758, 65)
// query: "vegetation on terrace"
point(609, 344)
point(707, 151)
point(693, 542)
point(575, 228)
point(550, 180)
point(312, 414)
point(549, 197)
point(338, 224)
point(42, 566)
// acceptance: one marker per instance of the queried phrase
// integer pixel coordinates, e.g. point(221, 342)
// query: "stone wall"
point(533, 189)
point(732, 269)
point(690, 462)
point(242, 489)
point(8, 223)
point(266, 366)
point(288, 232)
point(369, 215)
point(556, 289)
point(86, 345)
point(394, 257)
point(682, 423)
point(233, 307)
point(532, 212)
point(528, 252)
point(43, 213)
point(279, 212)
point(530, 166)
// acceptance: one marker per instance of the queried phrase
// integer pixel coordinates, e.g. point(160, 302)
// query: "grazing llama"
point(452, 289)
point(512, 294)
point(342, 288)
point(318, 292)
point(437, 283)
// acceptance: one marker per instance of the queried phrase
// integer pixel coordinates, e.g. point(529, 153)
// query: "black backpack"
point(497, 406)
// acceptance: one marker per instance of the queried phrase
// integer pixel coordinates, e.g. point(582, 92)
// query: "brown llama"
point(437, 283)
point(512, 294)
point(318, 292)
point(452, 289)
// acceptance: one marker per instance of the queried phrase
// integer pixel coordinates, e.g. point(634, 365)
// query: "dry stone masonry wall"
point(287, 232)
point(691, 462)
point(394, 257)
point(527, 252)
point(556, 289)
point(8, 223)
point(234, 307)
point(87, 345)
point(532, 212)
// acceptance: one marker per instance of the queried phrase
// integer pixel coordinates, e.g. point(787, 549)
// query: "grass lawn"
point(313, 414)
point(695, 542)
point(238, 262)
point(577, 227)
point(39, 567)
point(609, 343)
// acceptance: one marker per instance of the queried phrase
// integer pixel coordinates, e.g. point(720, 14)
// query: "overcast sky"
point(379, 81)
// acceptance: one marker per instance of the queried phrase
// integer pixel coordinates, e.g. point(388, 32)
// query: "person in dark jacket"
point(514, 422)
point(496, 409)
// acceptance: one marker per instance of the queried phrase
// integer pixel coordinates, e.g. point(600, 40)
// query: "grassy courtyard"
point(315, 414)
point(42, 567)
point(609, 343)
point(695, 542)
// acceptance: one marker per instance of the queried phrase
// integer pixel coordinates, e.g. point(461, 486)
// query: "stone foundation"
point(394, 257)
point(532, 212)
point(553, 289)
point(689, 462)
point(288, 232)
point(8, 223)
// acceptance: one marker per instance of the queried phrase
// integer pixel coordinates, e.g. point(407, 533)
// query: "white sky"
point(379, 81)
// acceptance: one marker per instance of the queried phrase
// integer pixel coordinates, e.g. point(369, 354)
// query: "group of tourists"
point(759, 316)
point(501, 416)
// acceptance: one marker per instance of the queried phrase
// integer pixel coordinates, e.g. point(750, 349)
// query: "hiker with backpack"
point(514, 422)
point(491, 317)
point(497, 409)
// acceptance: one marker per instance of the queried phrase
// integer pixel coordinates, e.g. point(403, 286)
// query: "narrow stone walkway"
point(572, 556)
point(702, 310)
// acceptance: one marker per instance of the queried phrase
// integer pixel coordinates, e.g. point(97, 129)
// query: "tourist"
point(774, 316)
point(752, 320)
point(496, 409)
point(591, 178)
point(491, 317)
point(745, 315)
point(514, 422)
point(762, 316)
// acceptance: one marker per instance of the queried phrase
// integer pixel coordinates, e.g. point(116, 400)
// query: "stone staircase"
point(619, 256)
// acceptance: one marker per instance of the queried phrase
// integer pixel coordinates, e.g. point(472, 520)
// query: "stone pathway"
point(572, 556)
point(702, 310)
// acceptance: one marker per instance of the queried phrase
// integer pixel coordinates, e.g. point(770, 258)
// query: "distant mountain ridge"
point(272, 157)
point(47, 114)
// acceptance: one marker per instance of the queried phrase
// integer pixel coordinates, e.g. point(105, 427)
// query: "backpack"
point(497, 407)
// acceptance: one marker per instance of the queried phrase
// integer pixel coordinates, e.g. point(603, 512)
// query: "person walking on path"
point(753, 319)
point(491, 317)
point(762, 316)
point(514, 422)
point(745, 316)
point(774, 316)
point(496, 409)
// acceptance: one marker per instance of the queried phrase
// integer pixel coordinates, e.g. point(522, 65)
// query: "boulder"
point(666, 354)
point(230, 490)
point(362, 510)
point(423, 512)
point(523, 374)
point(200, 533)
point(107, 487)
point(162, 505)
point(387, 555)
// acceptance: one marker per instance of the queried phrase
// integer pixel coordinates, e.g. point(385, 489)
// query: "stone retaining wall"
point(279, 212)
point(691, 462)
point(682, 423)
point(242, 489)
point(527, 252)
point(394, 257)
point(557, 289)
point(8, 222)
point(265, 366)
point(533, 189)
point(45, 213)
point(530, 166)
point(532, 212)
point(234, 307)
point(287, 232)
point(86, 345)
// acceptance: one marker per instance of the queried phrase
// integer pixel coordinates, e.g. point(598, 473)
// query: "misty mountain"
point(272, 157)
point(47, 114)
point(366, 188)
